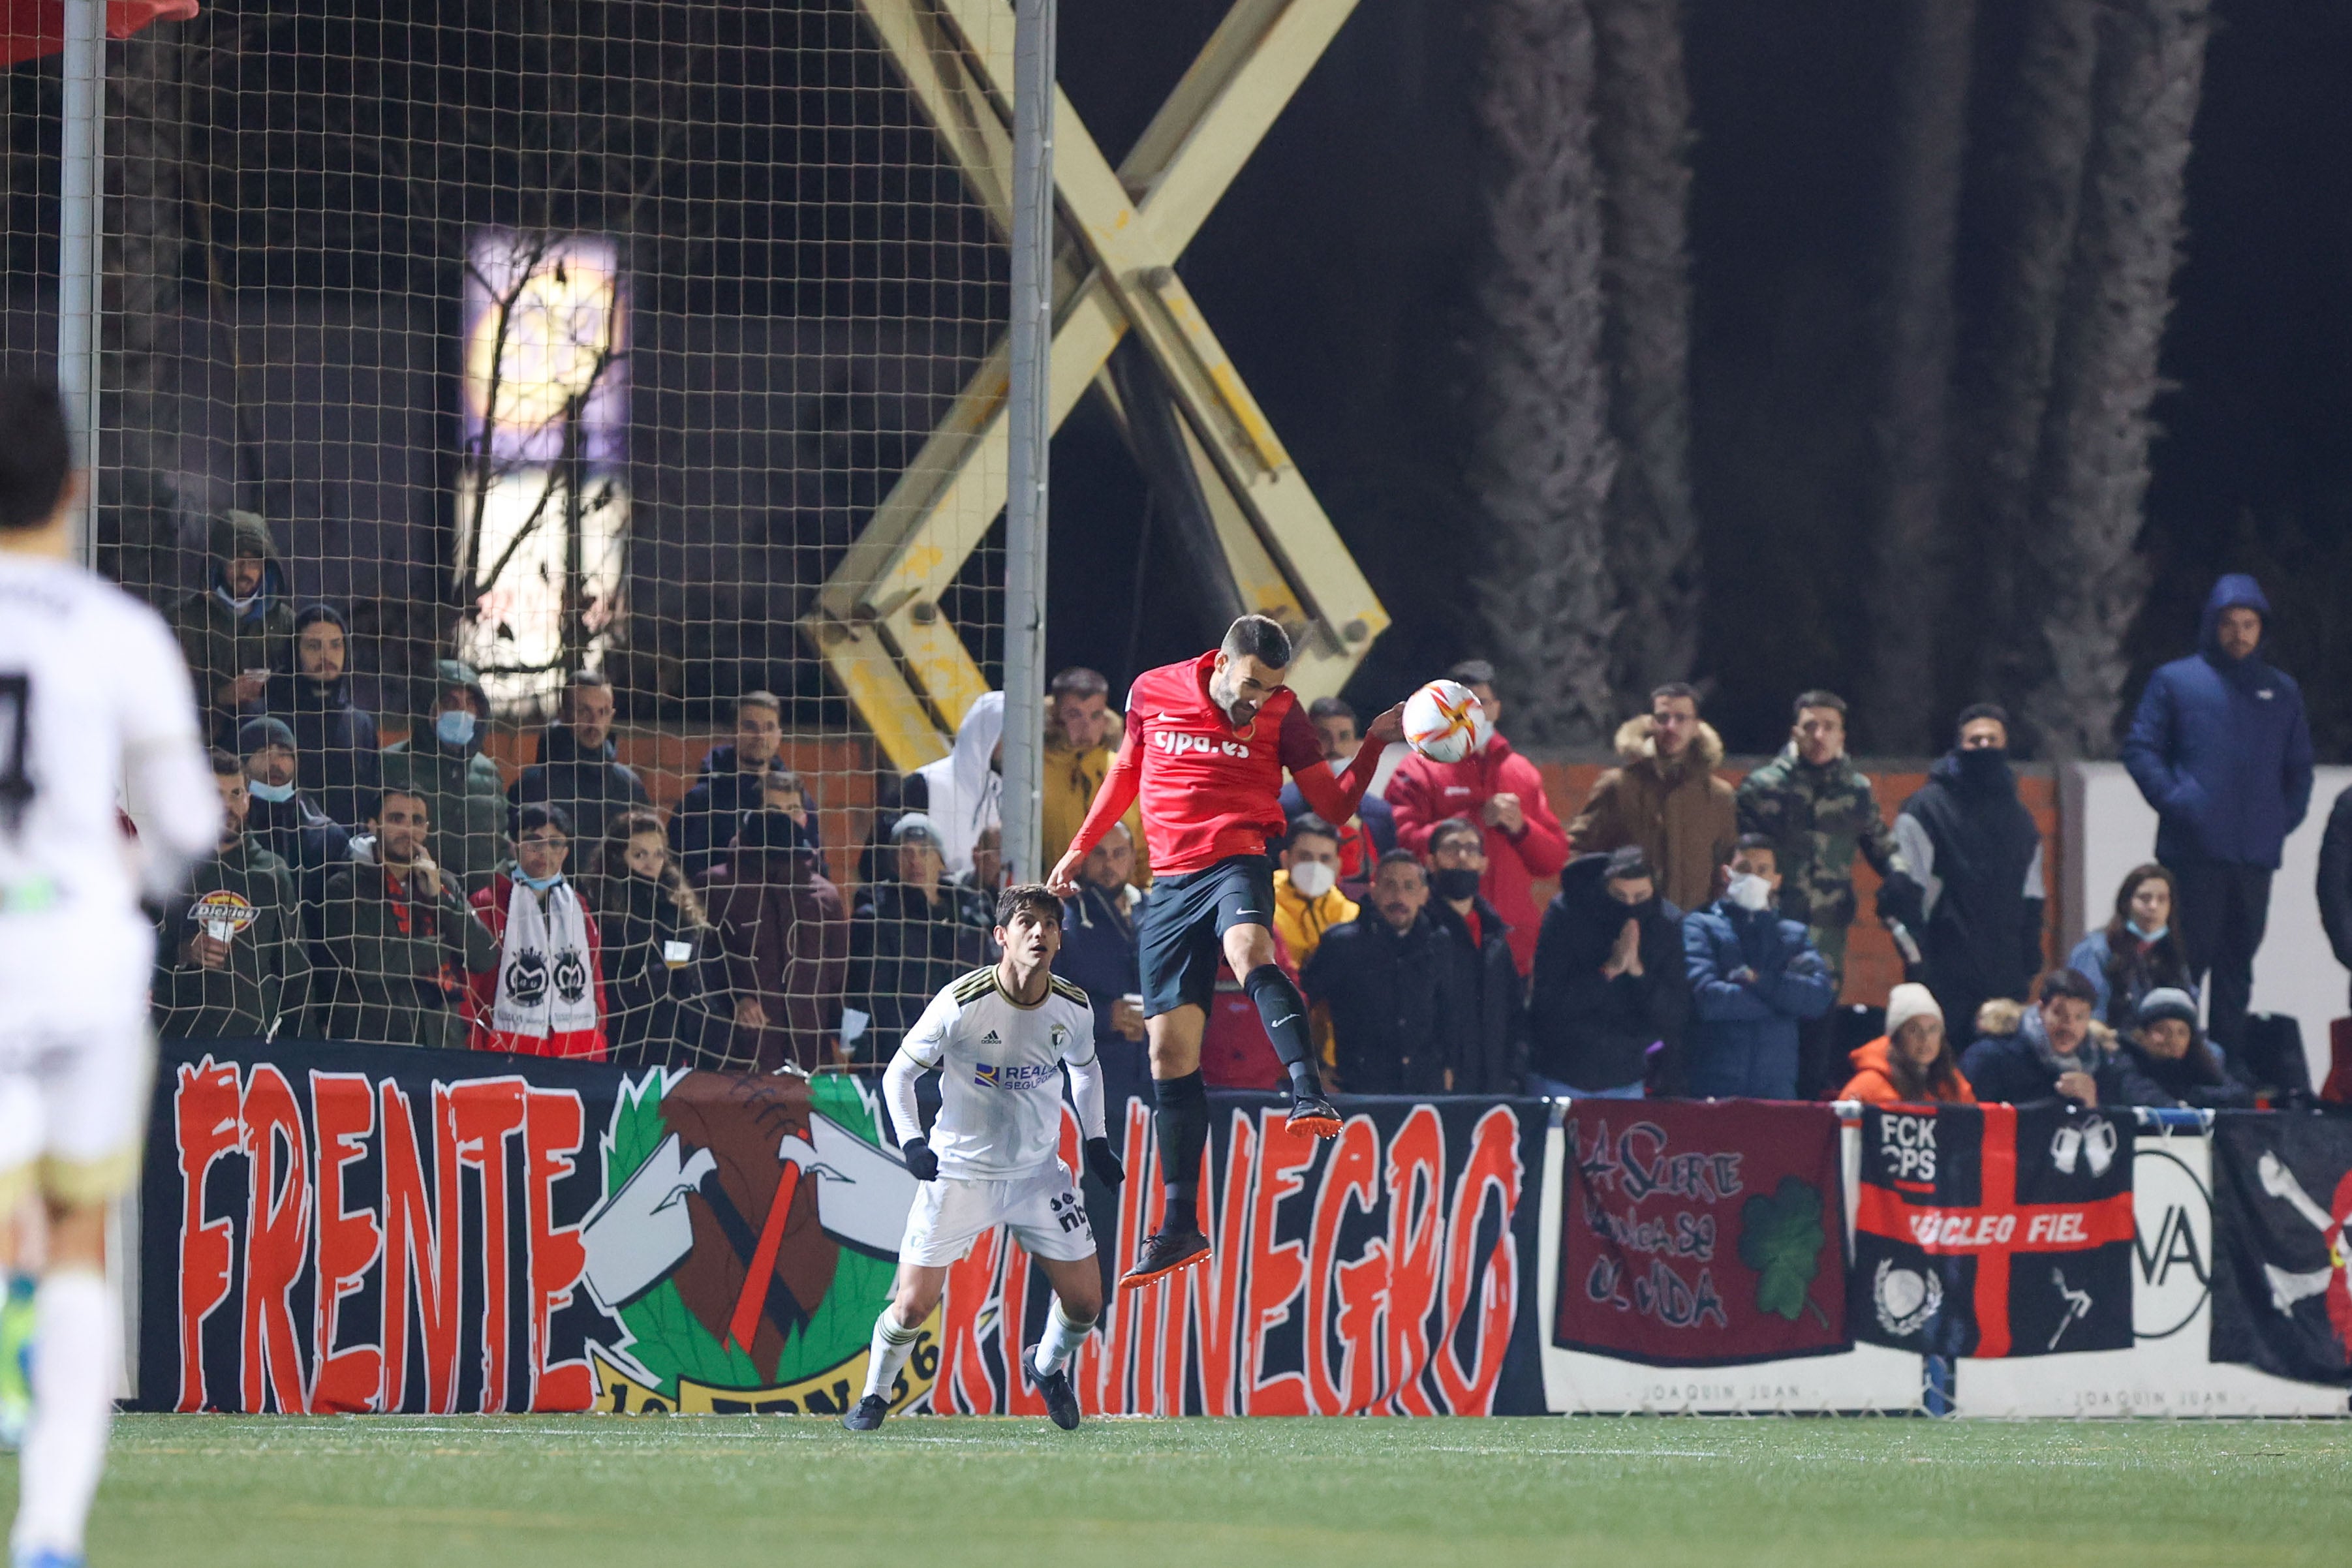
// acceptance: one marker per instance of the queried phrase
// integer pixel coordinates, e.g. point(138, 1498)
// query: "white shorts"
point(73, 1111)
point(1044, 1212)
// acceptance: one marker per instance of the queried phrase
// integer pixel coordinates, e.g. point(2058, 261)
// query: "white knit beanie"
point(1906, 1003)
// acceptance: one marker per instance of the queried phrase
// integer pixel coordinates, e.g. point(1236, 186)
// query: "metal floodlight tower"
point(877, 623)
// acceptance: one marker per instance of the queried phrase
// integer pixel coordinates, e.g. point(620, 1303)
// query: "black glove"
point(921, 1163)
point(1900, 898)
point(1102, 1164)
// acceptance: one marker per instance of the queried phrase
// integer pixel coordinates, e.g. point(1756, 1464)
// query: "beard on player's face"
point(1225, 688)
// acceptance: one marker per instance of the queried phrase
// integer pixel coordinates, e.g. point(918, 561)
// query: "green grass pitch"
point(195, 1492)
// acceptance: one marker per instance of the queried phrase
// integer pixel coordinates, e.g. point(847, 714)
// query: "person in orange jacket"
point(1913, 1063)
point(1501, 792)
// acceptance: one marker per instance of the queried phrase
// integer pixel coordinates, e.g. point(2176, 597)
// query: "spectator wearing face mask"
point(1972, 847)
point(1754, 978)
point(281, 818)
point(1610, 998)
point(334, 738)
point(2138, 951)
point(545, 995)
point(2052, 1049)
point(1371, 833)
point(1481, 983)
point(1307, 897)
point(443, 761)
point(1082, 735)
point(1913, 1063)
point(2162, 1059)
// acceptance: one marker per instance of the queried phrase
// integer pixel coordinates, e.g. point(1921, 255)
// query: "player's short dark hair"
point(1764, 841)
point(1455, 828)
point(1976, 711)
point(1078, 681)
point(376, 811)
point(1307, 824)
point(1259, 637)
point(2064, 982)
point(36, 452)
point(1398, 857)
point(1331, 707)
point(1817, 697)
point(767, 700)
point(533, 818)
point(1033, 896)
point(1674, 689)
point(225, 762)
point(1473, 673)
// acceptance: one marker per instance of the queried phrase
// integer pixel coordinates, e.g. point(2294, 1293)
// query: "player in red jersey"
point(1207, 743)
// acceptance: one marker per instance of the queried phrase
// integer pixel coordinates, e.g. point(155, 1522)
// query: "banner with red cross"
point(1993, 1231)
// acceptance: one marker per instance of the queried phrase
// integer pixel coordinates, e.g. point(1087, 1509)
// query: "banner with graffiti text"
point(1702, 1233)
point(343, 1228)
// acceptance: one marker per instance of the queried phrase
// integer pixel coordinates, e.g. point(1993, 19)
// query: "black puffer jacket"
point(1482, 993)
point(1386, 991)
point(904, 949)
point(591, 787)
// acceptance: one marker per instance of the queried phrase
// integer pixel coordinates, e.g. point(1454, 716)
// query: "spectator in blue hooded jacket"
point(1753, 975)
point(2221, 749)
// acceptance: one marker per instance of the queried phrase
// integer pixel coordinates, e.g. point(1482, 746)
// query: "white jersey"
point(1000, 1067)
point(95, 709)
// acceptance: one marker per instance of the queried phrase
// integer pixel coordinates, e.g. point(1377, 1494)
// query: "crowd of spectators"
point(1694, 941)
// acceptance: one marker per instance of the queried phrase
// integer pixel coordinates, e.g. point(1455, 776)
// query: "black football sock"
point(1284, 1012)
point(1180, 1124)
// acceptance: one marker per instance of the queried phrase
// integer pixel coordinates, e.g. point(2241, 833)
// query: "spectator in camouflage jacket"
point(238, 628)
point(1819, 812)
point(402, 935)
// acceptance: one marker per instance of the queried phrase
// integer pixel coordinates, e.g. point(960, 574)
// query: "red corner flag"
point(38, 28)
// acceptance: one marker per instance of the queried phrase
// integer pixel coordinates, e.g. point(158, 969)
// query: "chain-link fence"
point(494, 399)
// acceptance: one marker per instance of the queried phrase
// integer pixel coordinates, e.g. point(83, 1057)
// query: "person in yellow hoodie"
point(1082, 734)
point(1308, 902)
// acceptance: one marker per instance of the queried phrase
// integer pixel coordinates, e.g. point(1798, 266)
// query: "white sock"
point(1060, 1341)
point(887, 1353)
point(78, 1340)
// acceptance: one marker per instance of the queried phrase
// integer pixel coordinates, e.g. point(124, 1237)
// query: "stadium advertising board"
point(1702, 1233)
point(336, 1227)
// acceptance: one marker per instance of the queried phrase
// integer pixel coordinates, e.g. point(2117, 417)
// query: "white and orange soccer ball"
point(1445, 722)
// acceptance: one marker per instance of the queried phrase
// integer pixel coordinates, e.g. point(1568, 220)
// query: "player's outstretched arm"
point(907, 1115)
point(1120, 789)
point(1336, 798)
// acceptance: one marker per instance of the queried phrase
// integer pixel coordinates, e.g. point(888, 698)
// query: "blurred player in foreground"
point(1206, 745)
point(94, 703)
point(999, 1038)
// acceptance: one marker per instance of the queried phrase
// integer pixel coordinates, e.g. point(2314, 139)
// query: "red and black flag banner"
point(1702, 1234)
point(2283, 1227)
point(1993, 1231)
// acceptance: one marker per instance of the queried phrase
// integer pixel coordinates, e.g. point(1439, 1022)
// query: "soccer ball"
point(1445, 722)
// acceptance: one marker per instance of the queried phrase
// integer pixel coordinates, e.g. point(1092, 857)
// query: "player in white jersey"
point(999, 1039)
point(95, 705)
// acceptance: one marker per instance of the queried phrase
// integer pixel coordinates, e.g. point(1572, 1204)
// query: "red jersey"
point(1209, 791)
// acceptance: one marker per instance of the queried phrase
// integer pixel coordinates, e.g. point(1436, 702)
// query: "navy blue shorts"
point(1180, 936)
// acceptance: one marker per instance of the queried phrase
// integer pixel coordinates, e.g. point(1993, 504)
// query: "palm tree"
point(1544, 459)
